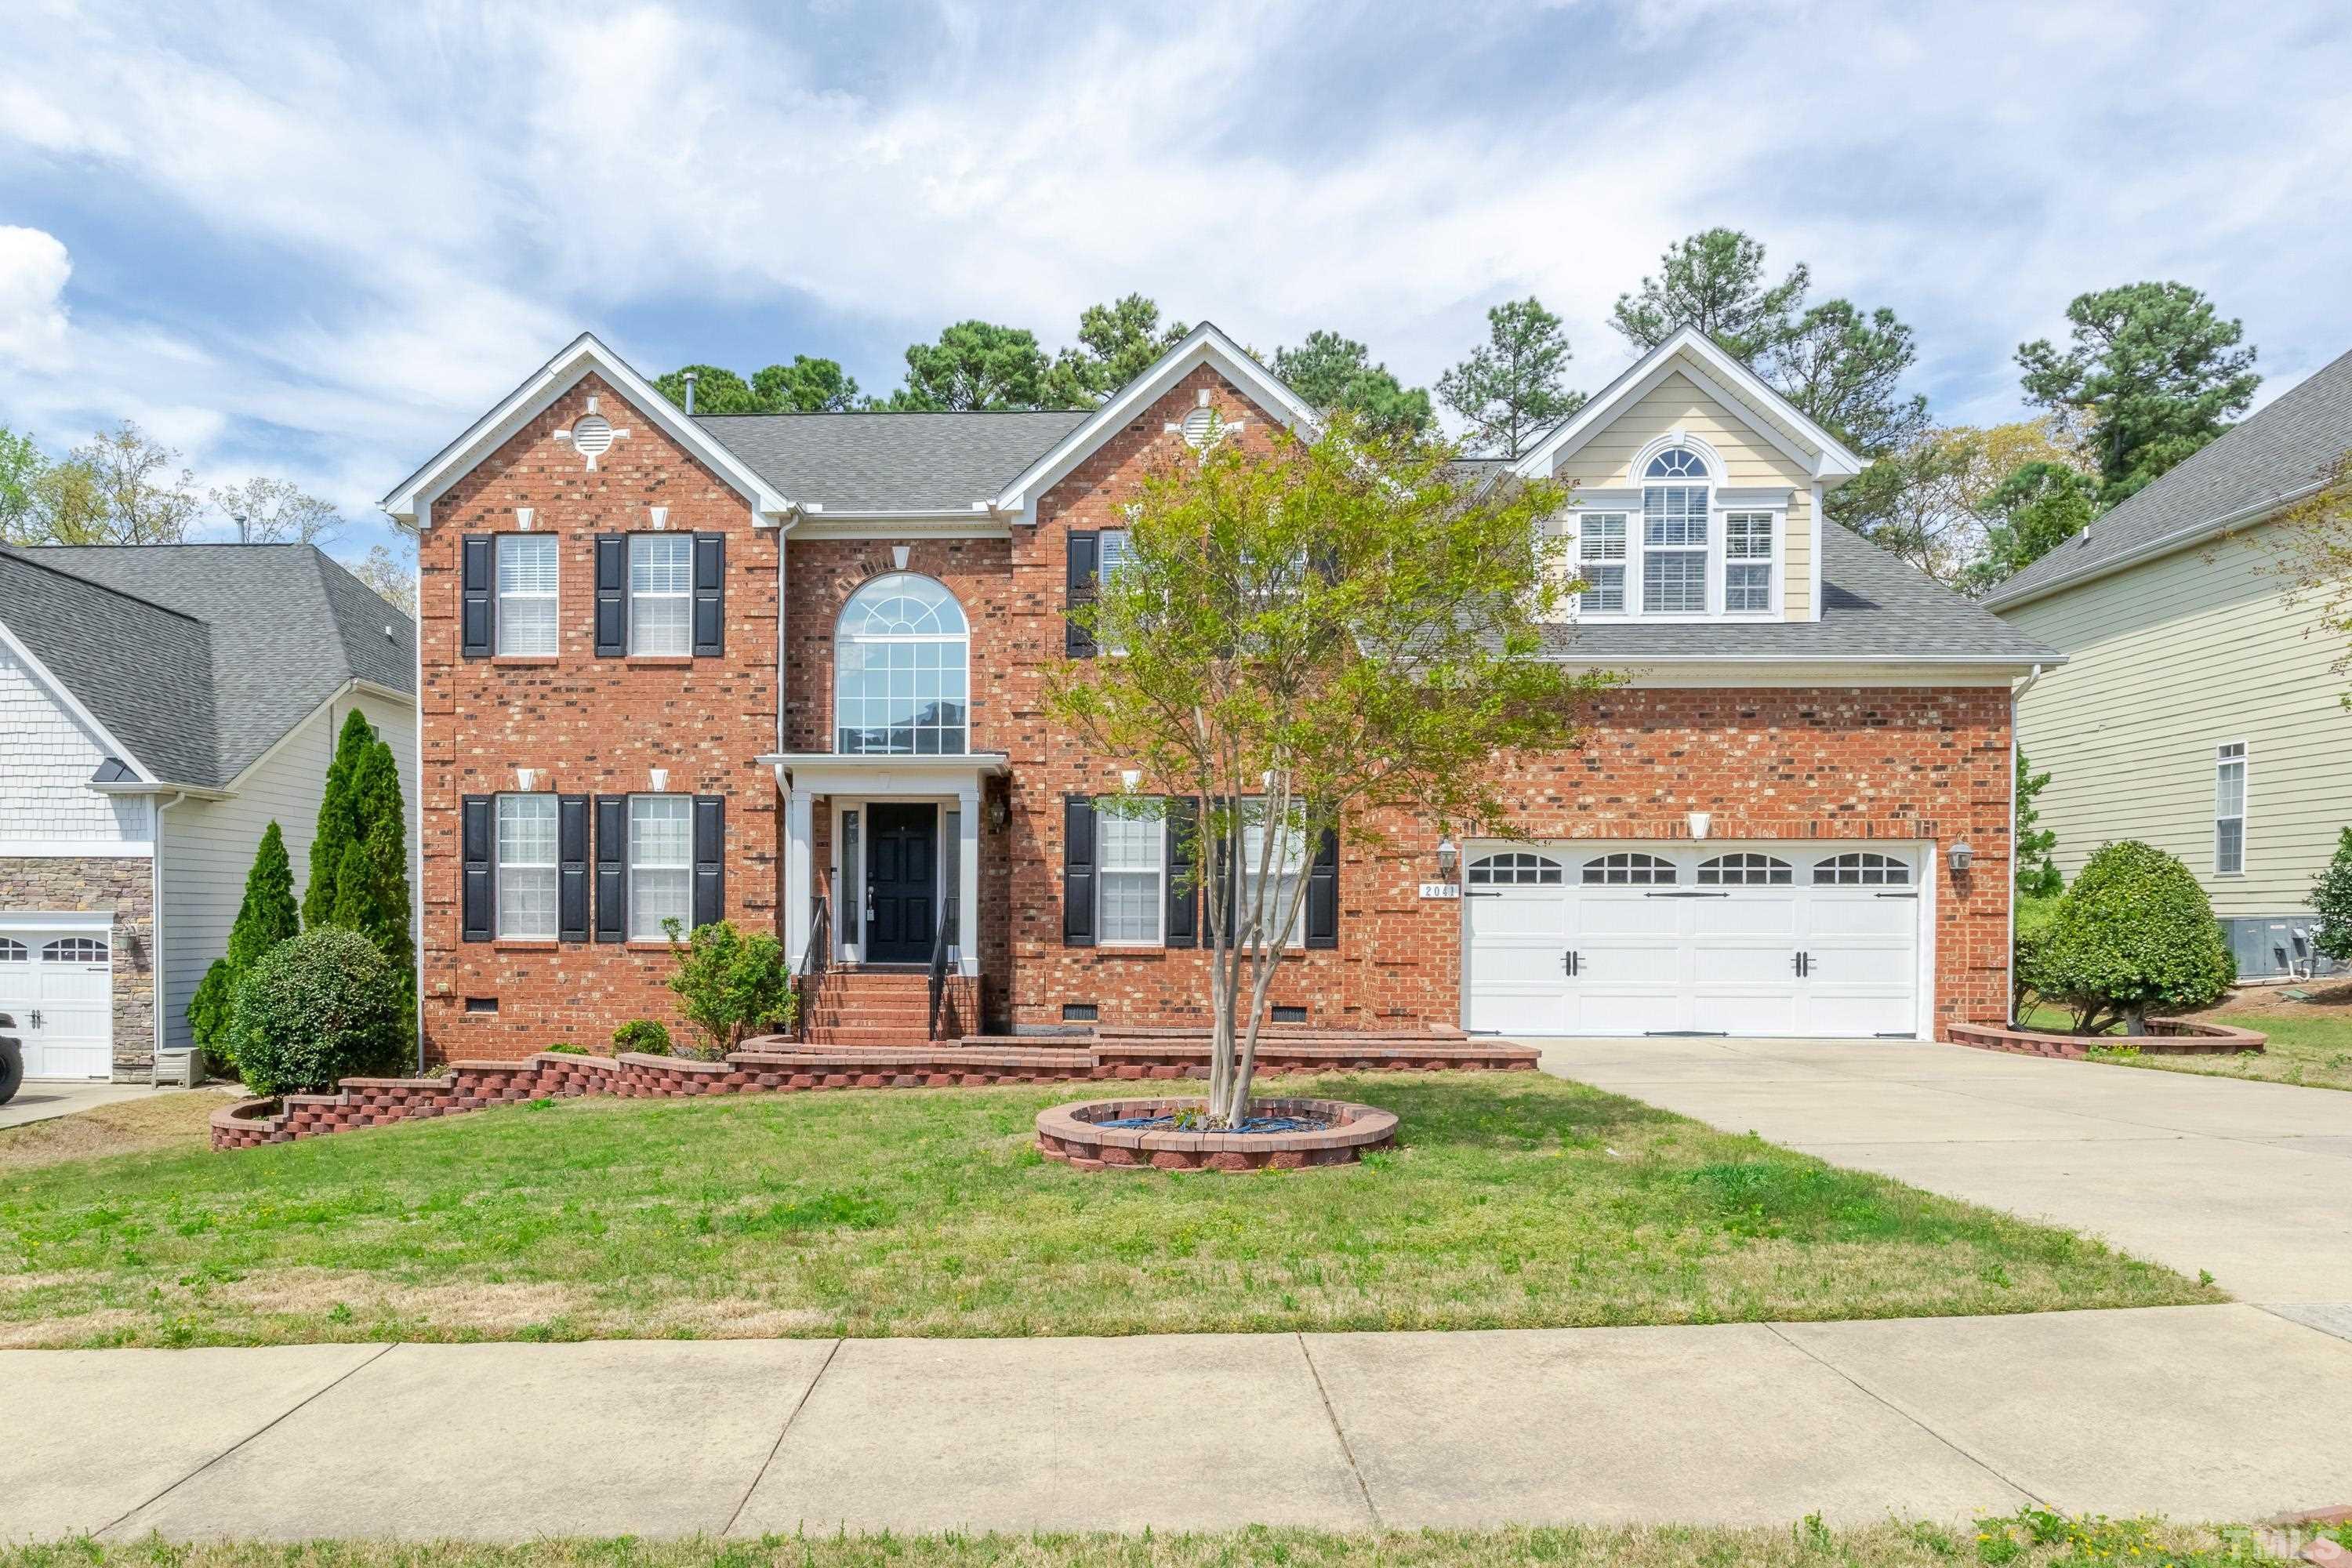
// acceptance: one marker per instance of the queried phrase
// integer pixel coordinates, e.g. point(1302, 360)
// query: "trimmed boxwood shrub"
point(2133, 932)
point(316, 1009)
point(644, 1035)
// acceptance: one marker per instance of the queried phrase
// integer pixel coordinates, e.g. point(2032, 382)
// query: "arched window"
point(1515, 868)
point(1673, 533)
point(14, 951)
point(901, 676)
point(1628, 870)
point(75, 950)
point(1745, 871)
point(1862, 869)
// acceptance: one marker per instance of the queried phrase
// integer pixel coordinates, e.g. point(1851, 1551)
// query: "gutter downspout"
point(156, 959)
point(2016, 695)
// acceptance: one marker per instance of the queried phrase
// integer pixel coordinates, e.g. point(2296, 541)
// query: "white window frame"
point(1623, 521)
point(553, 594)
point(2227, 755)
point(638, 930)
point(684, 597)
point(1769, 560)
point(1157, 871)
point(1247, 869)
point(1704, 551)
point(1725, 500)
point(503, 869)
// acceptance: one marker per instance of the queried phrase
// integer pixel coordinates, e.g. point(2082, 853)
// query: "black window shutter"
point(612, 868)
point(1078, 870)
point(1183, 925)
point(611, 595)
point(709, 860)
point(478, 919)
point(477, 604)
point(572, 868)
point(709, 594)
point(1323, 892)
point(1086, 572)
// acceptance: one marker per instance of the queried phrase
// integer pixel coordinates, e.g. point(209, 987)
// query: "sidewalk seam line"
point(777, 1445)
point(1870, 1393)
point(298, 1405)
point(1347, 1449)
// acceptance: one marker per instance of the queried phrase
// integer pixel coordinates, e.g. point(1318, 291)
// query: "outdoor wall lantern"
point(1962, 858)
point(1448, 855)
point(1700, 821)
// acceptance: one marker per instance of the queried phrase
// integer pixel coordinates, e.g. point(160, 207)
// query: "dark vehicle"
point(12, 1060)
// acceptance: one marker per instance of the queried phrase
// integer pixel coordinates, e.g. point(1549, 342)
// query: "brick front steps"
point(1073, 1134)
point(775, 1065)
point(2165, 1037)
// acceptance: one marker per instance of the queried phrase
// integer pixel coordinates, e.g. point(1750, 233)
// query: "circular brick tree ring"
point(1074, 1134)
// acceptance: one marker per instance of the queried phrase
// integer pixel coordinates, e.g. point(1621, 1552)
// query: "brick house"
point(786, 670)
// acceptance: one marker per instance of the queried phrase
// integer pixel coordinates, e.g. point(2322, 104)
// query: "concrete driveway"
point(2250, 1180)
point(39, 1100)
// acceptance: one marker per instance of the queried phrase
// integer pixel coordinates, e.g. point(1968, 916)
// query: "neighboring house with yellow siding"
point(2196, 710)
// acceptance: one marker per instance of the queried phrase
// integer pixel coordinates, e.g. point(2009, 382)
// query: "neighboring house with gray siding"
point(161, 705)
point(2196, 710)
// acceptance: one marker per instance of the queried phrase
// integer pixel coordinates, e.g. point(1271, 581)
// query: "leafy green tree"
point(2133, 932)
point(2153, 376)
point(804, 387)
point(730, 984)
point(276, 511)
point(265, 917)
point(1315, 637)
point(2036, 509)
point(2331, 895)
point(2037, 870)
point(2313, 543)
point(1513, 386)
point(1116, 342)
point(1336, 373)
point(22, 463)
point(1840, 366)
point(1714, 281)
point(1912, 502)
point(974, 366)
point(117, 487)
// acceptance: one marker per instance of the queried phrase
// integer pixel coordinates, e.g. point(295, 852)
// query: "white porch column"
point(967, 877)
point(799, 847)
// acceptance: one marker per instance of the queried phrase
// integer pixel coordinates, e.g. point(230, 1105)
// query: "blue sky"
point(316, 242)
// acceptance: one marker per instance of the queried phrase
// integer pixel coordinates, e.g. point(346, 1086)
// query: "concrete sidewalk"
point(2250, 1180)
point(2199, 1412)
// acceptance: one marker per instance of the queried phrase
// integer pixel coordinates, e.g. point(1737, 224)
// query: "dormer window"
point(1676, 543)
point(1673, 534)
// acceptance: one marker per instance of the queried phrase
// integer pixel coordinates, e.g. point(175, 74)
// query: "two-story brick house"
point(787, 669)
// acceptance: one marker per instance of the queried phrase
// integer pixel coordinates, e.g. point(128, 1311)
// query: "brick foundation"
point(125, 886)
point(2165, 1037)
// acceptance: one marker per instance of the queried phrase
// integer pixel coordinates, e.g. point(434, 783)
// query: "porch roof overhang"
point(838, 773)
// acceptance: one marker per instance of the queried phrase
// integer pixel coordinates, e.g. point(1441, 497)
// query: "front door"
point(902, 883)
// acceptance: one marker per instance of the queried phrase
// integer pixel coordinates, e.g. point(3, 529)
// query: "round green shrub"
point(316, 1009)
point(644, 1035)
point(2134, 933)
point(2331, 895)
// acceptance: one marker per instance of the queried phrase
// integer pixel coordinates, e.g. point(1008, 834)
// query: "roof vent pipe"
point(690, 393)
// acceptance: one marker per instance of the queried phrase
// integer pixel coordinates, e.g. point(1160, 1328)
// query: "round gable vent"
point(1201, 426)
point(591, 437)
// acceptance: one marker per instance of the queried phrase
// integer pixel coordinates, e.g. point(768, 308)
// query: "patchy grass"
point(1518, 1200)
point(168, 1119)
point(2031, 1539)
point(2310, 1041)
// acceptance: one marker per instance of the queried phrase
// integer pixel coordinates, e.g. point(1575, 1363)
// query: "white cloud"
point(34, 267)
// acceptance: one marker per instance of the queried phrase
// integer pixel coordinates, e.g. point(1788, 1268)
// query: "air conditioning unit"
point(179, 1070)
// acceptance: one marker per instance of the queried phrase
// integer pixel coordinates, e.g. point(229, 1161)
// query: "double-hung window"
point(1279, 873)
point(661, 864)
point(1600, 561)
point(1748, 562)
point(1131, 884)
point(661, 593)
point(1673, 534)
point(526, 868)
point(527, 612)
point(2230, 809)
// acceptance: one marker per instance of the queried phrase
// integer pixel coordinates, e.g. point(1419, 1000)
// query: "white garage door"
point(1764, 939)
point(59, 987)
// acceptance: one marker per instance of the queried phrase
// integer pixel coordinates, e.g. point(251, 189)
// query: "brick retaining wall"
point(2165, 1037)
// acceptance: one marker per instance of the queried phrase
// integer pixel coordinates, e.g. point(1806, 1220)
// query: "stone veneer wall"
point(126, 886)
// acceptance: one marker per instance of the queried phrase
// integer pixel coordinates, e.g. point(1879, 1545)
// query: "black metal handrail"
point(814, 957)
point(939, 978)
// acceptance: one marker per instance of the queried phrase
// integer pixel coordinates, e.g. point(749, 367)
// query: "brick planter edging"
point(772, 1065)
point(1072, 1134)
point(2165, 1037)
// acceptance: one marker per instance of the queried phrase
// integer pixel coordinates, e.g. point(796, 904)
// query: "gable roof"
point(877, 462)
point(2274, 458)
point(412, 498)
point(197, 657)
point(1698, 356)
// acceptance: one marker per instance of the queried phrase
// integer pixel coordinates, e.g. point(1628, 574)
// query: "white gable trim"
point(1204, 344)
point(413, 500)
point(1693, 354)
point(63, 695)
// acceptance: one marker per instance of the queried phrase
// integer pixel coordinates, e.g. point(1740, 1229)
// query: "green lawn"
point(1517, 1200)
point(2310, 1041)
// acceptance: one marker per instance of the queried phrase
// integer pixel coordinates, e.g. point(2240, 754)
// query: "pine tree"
point(338, 823)
point(369, 893)
point(265, 917)
point(2038, 875)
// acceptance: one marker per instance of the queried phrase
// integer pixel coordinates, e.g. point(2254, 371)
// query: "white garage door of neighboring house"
point(59, 987)
point(1762, 938)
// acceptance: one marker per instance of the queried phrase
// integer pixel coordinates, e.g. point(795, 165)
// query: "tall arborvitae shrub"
point(265, 918)
point(368, 891)
point(339, 821)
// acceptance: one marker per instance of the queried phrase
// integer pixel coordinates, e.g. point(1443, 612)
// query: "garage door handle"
point(1687, 894)
point(1569, 963)
point(36, 1018)
point(1894, 896)
point(1804, 965)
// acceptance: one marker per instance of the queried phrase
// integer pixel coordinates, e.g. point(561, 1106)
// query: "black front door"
point(902, 883)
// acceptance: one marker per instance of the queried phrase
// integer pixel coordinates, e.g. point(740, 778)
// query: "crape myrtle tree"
point(1309, 638)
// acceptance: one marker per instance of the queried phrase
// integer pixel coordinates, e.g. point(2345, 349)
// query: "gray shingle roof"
point(199, 657)
point(890, 462)
point(2276, 452)
point(1875, 605)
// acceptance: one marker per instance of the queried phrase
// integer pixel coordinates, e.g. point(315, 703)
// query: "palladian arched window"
point(1673, 533)
point(902, 670)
